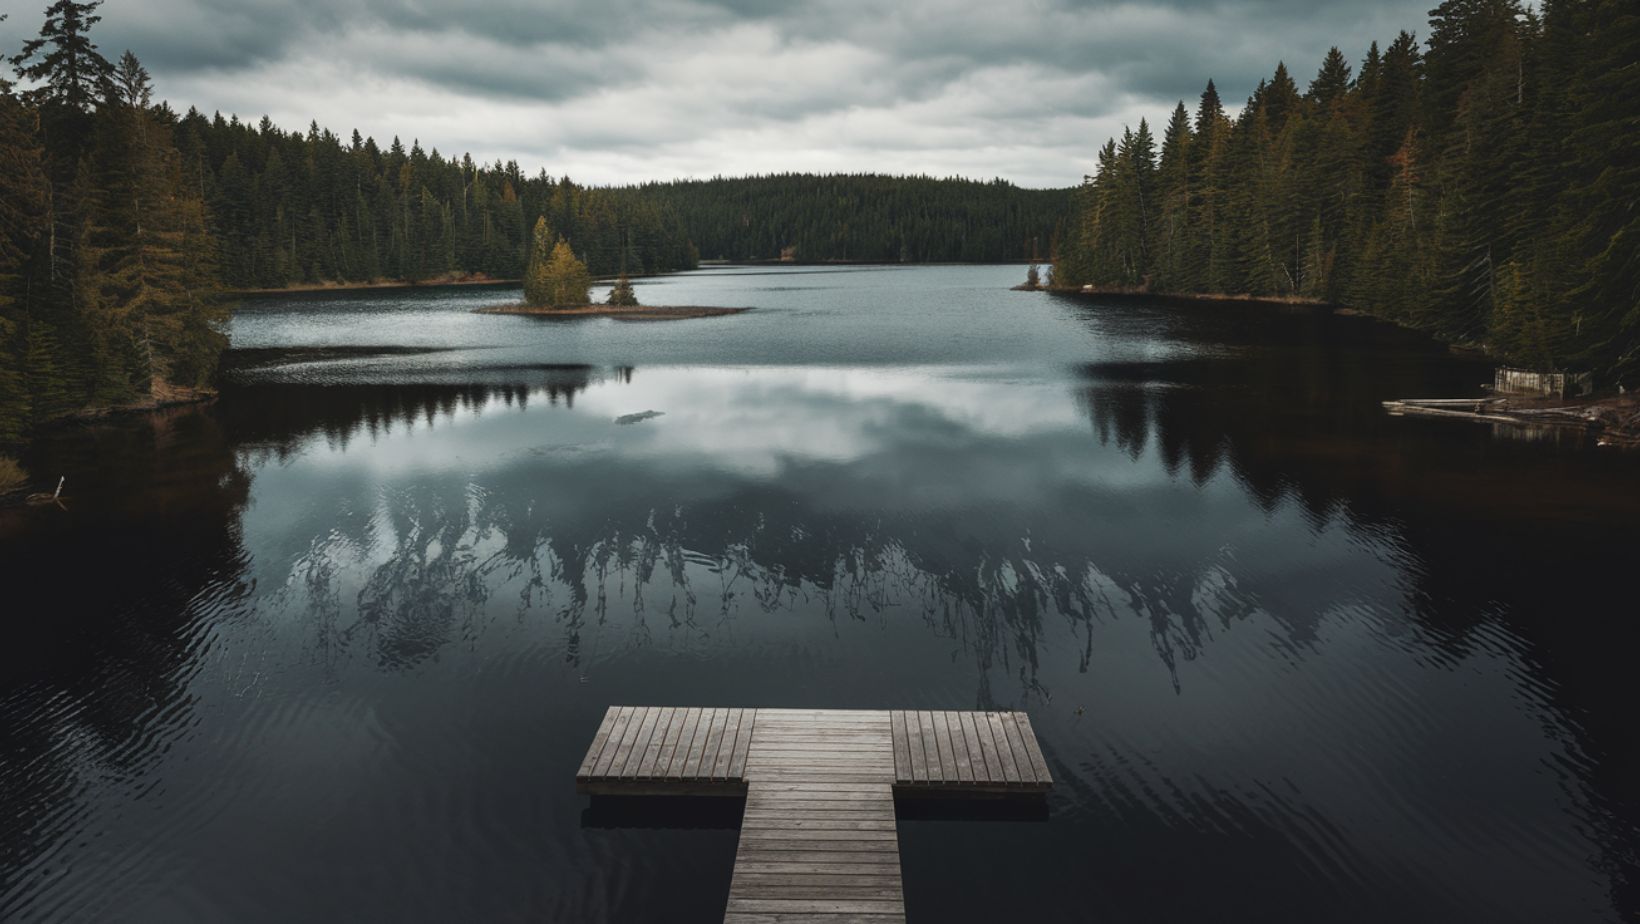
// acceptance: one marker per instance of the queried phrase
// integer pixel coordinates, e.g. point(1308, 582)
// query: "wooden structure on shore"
point(1507, 381)
point(818, 840)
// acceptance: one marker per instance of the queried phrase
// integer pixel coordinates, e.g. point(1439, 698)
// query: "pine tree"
point(1604, 238)
point(1033, 277)
point(1171, 231)
point(1332, 83)
point(567, 279)
point(1206, 260)
point(538, 287)
point(23, 197)
point(1478, 147)
point(71, 75)
point(146, 262)
point(622, 293)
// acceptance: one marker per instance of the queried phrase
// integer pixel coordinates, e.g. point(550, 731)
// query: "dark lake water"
point(332, 648)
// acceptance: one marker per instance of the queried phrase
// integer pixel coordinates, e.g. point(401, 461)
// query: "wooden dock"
point(818, 840)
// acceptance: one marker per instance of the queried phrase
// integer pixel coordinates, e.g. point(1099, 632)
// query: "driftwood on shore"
point(1615, 421)
point(618, 312)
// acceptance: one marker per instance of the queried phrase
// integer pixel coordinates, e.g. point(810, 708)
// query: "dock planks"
point(818, 841)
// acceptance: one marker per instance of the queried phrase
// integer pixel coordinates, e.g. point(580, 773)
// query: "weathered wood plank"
point(824, 759)
point(779, 711)
point(824, 796)
point(651, 752)
point(959, 749)
point(788, 775)
point(649, 734)
point(924, 741)
point(782, 823)
point(819, 867)
point(962, 740)
point(632, 741)
point(878, 854)
point(726, 749)
point(1033, 750)
point(714, 739)
point(617, 735)
point(606, 754)
point(914, 741)
point(818, 787)
point(1016, 748)
point(942, 738)
point(774, 848)
point(1010, 771)
point(697, 748)
point(815, 907)
point(848, 813)
point(804, 918)
point(884, 765)
point(666, 738)
point(937, 757)
point(776, 719)
point(678, 756)
point(743, 744)
point(902, 755)
point(879, 881)
point(987, 749)
point(599, 739)
point(816, 834)
point(812, 888)
point(766, 742)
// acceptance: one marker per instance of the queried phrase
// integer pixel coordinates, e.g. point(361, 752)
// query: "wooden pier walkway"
point(818, 840)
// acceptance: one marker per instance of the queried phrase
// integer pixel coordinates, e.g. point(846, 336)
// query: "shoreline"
point(1241, 298)
point(1460, 348)
point(18, 495)
point(308, 288)
point(1611, 421)
point(480, 279)
point(616, 312)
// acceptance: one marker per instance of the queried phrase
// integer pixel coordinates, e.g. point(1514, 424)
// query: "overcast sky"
point(609, 91)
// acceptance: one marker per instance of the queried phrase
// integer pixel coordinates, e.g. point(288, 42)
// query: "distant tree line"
point(1484, 187)
point(862, 217)
point(293, 208)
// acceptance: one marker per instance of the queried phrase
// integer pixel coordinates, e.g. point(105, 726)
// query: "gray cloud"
point(624, 91)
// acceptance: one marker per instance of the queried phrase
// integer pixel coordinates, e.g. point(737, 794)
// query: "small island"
point(557, 285)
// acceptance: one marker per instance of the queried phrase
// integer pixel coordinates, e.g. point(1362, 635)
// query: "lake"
point(332, 648)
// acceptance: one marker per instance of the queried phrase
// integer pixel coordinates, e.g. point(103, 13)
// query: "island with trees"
point(557, 284)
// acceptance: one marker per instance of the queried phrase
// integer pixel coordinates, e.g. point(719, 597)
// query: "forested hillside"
point(294, 207)
point(1483, 186)
point(870, 218)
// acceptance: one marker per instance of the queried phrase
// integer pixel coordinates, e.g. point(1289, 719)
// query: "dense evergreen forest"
point(1483, 186)
point(867, 218)
point(293, 208)
point(108, 272)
